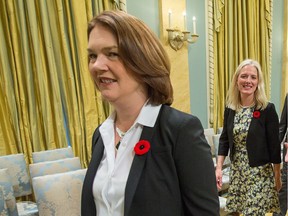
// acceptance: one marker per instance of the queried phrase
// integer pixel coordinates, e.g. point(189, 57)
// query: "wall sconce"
point(176, 37)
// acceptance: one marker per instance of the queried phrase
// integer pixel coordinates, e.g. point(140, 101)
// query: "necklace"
point(120, 133)
point(251, 105)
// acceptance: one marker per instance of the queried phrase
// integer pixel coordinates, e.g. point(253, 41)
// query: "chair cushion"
point(52, 167)
point(27, 208)
point(54, 154)
point(59, 194)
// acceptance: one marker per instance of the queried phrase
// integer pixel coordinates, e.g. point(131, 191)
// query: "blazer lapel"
point(136, 171)
point(255, 122)
point(95, 161)
point(87, 194)
point(97, 155)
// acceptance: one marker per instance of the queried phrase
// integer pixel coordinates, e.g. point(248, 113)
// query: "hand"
point(286, 156)
point(218, 174)
point(278, 183)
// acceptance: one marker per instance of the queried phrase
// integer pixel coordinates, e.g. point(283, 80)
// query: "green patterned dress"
point(252, 189)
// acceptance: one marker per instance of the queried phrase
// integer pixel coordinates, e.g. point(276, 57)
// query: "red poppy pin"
point(142, 147)
point(256, 114)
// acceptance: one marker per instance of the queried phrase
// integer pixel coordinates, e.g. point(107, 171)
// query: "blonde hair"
point(233, 100)
point(141, 52)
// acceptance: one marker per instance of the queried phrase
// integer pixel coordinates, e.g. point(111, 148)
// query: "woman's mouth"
point(107, 80)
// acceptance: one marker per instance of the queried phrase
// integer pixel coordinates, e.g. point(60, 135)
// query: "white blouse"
point(111, 177)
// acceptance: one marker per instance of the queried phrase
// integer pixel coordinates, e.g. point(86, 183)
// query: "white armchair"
point(209, 132)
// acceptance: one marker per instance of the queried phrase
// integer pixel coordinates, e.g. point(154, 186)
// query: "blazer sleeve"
point(195, 169)
point(224, 138)
point(283, 120)
point(272, 134)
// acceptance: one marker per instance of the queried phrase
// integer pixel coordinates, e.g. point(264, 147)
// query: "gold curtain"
point(242, 29)
point(284, 85)
point(47, 98)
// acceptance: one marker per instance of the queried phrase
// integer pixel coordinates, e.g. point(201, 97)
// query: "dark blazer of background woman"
point(263, 144)
point(282, 132)
point(175, 177)
point(283, 120)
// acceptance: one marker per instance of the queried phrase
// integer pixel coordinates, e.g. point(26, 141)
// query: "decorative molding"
point(211, 63)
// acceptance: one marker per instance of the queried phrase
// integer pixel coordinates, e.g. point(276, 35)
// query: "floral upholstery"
point(21, 183)
point(54, 154)
point(7, 193)
point(3, 207)
point(59, 194)
point(27, 208)
point(17, 169)
point(222, 202)
point(52, 167)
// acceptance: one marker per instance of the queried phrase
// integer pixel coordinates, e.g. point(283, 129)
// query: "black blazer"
point(263, 144)
point(176, 177)
point(283, 120)
point(283, 124)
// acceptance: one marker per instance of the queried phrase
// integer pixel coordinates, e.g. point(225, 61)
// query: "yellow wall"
point(179, 59)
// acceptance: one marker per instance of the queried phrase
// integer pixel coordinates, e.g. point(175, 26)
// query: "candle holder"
point(176, 38)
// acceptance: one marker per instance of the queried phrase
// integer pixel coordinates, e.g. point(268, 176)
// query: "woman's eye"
point(113, 54)
point(92, 57)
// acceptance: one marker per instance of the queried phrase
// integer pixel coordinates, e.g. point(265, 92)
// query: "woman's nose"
point(248, 80)
point(99, 63)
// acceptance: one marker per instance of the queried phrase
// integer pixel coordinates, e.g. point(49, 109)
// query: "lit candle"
point(169, 16)
point(194, 25)
point(185, 22)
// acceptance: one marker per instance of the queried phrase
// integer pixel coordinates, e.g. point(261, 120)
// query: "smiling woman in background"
point(147, 158)
point(250, 133)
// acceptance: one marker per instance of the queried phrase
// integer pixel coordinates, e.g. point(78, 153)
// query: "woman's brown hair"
point(141, 52)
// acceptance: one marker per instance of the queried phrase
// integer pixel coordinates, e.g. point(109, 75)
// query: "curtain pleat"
point(7, 107)
point(48, 99)
point(242, 29)
point(284, 84)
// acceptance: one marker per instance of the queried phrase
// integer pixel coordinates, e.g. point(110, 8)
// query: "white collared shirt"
point(111, 177)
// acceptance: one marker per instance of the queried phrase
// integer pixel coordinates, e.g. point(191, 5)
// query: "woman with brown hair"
point(147, 158)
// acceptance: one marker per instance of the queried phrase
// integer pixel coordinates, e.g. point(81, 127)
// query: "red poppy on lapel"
point(256, 114)
point(142, 147)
